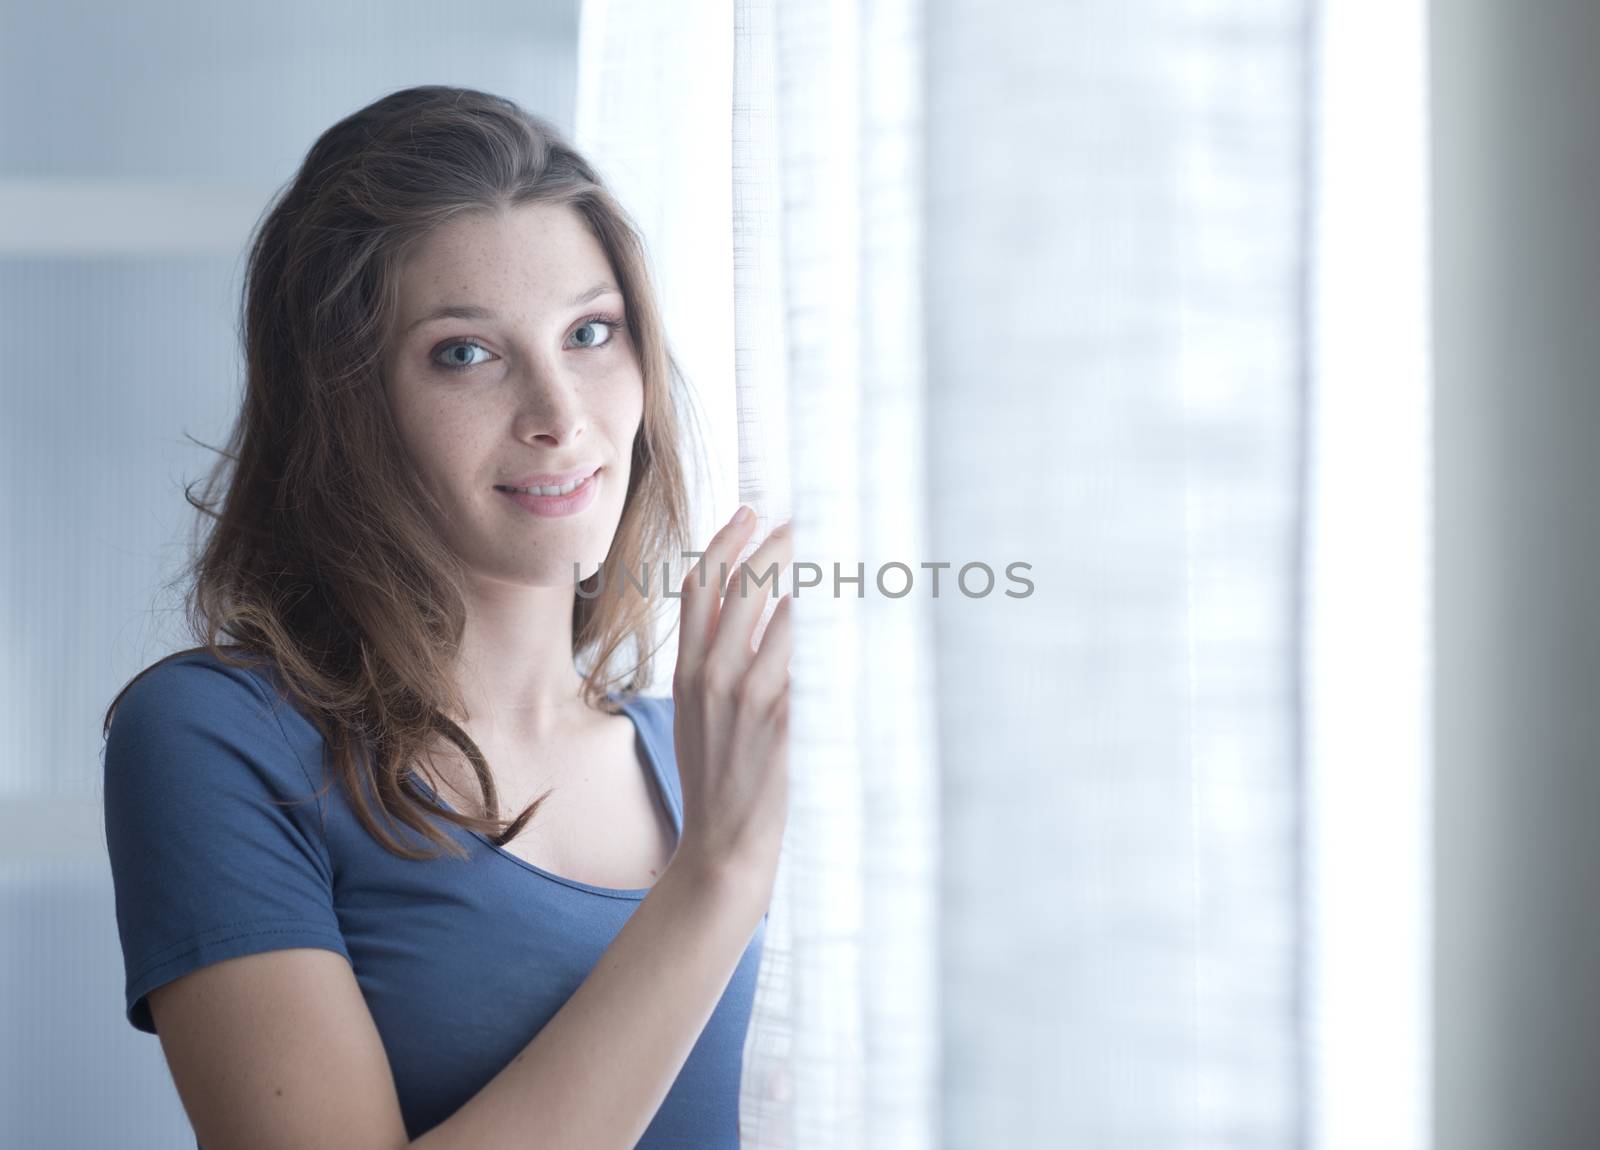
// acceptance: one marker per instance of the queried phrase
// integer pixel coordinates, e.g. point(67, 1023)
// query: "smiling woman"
point(546, 394)
point(449, 326)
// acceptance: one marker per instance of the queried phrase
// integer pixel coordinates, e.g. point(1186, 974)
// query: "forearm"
point(597, 1072)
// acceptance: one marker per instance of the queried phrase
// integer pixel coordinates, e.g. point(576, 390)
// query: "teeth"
point(567, 490)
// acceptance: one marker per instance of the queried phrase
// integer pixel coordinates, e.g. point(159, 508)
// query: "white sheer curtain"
point(843, 1038)
point(1082, 860)
point(843, 1047)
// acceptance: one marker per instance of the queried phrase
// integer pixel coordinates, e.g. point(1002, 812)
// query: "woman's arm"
point(597, 1072)
point(278, 1049)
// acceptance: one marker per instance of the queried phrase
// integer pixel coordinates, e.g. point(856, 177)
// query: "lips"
point(556, 506)
point(551, 478)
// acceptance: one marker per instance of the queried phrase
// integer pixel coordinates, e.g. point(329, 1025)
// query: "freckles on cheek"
point(438, 415)
point(408, 407)
point(426, 428)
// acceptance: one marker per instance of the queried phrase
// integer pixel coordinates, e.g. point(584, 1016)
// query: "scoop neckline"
point(652, 762)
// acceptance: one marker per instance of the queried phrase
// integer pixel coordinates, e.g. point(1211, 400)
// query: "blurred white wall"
point(1516, 155)
point(138, 146)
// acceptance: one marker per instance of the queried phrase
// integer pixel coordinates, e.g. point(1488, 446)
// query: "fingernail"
point(744, 515)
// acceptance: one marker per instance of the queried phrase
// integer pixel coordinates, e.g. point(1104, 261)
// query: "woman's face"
point(540, 378)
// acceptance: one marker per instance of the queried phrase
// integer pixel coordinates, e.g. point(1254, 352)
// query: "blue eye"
point(453, 349)
point(609, 322)
point(458, 365)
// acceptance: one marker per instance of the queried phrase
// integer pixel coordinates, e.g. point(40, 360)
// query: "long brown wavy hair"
point(322, 557)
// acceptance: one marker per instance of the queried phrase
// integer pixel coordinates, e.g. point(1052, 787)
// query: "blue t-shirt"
point(460, 961)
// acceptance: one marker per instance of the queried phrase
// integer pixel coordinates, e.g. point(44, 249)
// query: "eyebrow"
point(472, 311)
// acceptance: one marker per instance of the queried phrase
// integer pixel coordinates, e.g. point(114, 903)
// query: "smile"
point(568, 499)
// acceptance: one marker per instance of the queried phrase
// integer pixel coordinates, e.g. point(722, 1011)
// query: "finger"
point(769, 670)
point(700, 593)
point(744, 599)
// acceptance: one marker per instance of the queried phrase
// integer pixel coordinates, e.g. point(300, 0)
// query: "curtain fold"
point(827, 184)
point(826, 427)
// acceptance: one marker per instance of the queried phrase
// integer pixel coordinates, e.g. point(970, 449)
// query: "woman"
point(459, 406)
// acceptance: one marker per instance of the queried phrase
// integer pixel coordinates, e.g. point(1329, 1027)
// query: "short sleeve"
point(212, 828)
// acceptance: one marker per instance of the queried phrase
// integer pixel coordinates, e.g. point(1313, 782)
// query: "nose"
point(550, 409)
